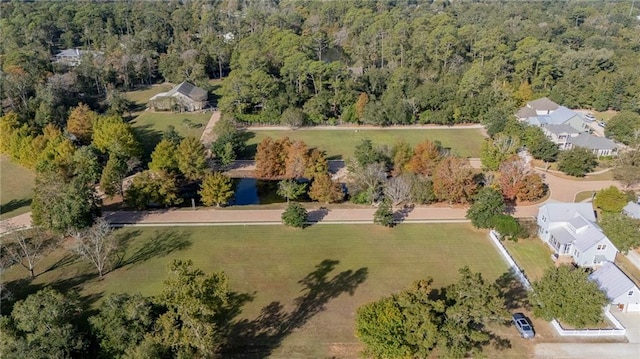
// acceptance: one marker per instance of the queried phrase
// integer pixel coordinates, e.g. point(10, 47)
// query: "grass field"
point(340, 144)
point(149, 126)
point(584, 195)
point(142, 96)
point(531, 255)
point(330, 269)
point(16, 188)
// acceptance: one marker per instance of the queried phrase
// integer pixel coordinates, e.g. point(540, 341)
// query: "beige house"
point(184, 97)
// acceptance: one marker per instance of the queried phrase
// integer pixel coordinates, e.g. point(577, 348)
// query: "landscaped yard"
point(340, 144)
point(531, 255)
point(16, 188)
point(343, 266)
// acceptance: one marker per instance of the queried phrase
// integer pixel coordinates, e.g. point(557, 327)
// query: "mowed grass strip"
point(16, 188)
point(531, 255)
point(365, 263)
point(340, 144)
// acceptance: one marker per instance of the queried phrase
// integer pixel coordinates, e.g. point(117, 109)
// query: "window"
point(630, 293)
point(601, 247)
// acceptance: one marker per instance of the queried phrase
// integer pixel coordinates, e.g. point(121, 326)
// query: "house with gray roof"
point(541, 106)
point(632, 210)
point(621, 291)
point(600, 146)
point(73, 57)
point(570, 229)
point(184, 97)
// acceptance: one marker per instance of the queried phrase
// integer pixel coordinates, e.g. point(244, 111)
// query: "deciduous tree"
point(191, 158)
point(297, 160)
point(610, 200)
point(518, 181)
point(487, 204)
point(122, 323)
point(80, 123)
point(271, 158)
point(425, 159)
point(324, 189)
point(401, 154)
point(398, 190)
point(28, 247)
point(624, 127)
point(193, 301)
point(577, 161)
point(111, 134)
point(163, 157)
point(42, 325)
point(561, 293)
point(216, 188)
point(622, 230)
point(508, 227)
point(113, 174)
point(97, 245)
point(291, 190)
point(453, 180)
point(317, 164)
point(627, 167)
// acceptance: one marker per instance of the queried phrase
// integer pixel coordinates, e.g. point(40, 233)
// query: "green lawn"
point(341, 143)
point(142, 96)
point(16, 188)
point(584, 195)
point(531, 255)
point(349, 265)
point(149, 126)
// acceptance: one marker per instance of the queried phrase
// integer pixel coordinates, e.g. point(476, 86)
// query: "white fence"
point(618, 331)
point(514, 267)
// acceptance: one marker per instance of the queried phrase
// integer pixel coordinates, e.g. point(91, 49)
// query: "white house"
point(184, 97)
point(632, 210)
point(73, 57)
point(621, 291)
point(541, 106)
point(570, 229)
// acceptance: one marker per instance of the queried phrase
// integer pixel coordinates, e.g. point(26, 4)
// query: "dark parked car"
point(523, 325)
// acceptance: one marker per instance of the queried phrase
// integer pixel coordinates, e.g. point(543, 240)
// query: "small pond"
point(254, 191)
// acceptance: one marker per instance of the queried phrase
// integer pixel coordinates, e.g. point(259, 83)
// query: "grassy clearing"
point(352, 264)
point(584, 195)
point(340, 144)
point(141, 97)
point(531, 255)
point(16, 188)
point(149, 126)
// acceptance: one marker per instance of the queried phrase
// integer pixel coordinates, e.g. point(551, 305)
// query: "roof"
point(76, 53)
point(561, 129)
point(543, 104)
point(592, 142)
point(612, 280)
point(562, 115)
point(632, 210)
point(186, 89)
point(526, 112)
point(563, 212)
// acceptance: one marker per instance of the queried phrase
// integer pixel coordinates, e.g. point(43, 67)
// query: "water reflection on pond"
point(253, 191)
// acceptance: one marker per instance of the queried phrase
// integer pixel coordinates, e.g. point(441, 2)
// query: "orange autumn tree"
point(453, 180)
point(426, 157)
point(518, 182)
point(271, 158)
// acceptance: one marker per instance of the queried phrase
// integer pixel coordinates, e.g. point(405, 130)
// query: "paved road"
point(587, 351)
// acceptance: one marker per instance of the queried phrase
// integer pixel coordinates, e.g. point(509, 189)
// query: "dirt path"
point(208, 136)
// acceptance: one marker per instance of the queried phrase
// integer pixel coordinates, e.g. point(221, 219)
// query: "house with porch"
point(184, 97)
point(622, 292)
point(73, 57)
point(570, 229)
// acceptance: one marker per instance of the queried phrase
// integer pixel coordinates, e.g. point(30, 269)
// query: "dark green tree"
point(384, 214)
point(113, 174)
point(508, 227)
point(487, 204)
point(42, 326)
point(122, 323)
point(295, 215)
point(622, 230)
point(193, 301)
point(561, 293)
point(152, 188)
point(577, 161)
point(624, 127)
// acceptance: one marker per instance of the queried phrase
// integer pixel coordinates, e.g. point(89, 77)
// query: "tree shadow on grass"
point(14, 204)
point(259, 337)
point(160, 244)
point(149, 138)
point(66, 260)
point(514, 293)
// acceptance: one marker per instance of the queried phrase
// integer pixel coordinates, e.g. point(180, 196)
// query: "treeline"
point(371, 62)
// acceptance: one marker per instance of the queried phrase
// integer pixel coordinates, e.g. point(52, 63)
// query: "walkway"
point(208, 135)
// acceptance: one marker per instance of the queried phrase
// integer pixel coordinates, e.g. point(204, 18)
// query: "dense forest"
point(376, 62)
